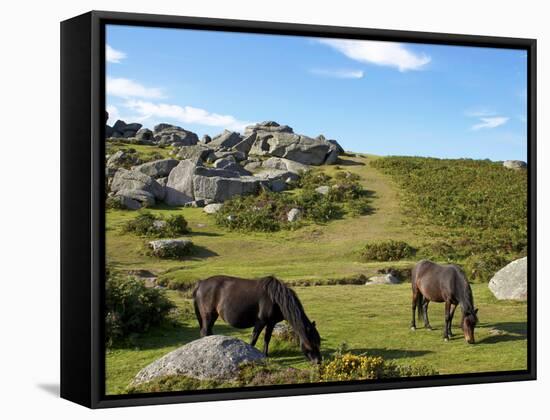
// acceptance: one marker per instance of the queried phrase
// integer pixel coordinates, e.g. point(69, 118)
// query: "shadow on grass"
point(519, 328)
point(195, 233)
point(387, 354)
point(199, 252)
point(507, 331)
point(344, 162)
point(170, 336)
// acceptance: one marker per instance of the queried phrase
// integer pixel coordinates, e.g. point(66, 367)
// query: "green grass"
point(369, 319)
point(372, 319)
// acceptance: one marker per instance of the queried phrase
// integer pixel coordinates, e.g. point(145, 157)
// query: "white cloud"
point(126, 88)
point(480, 112)
point(381, 53)
point(186, 115)
point(339, 74)
point(112, 55)
point(490, 122)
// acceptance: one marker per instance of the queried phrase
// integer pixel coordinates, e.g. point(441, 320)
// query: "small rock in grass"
point(171, 248)
point(385, 279)
point(294, 215)
point(212, 208)
point(323, 189)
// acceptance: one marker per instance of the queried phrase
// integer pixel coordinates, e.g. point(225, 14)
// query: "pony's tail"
point(196, 305)
point(419, 302)
point(419, 297)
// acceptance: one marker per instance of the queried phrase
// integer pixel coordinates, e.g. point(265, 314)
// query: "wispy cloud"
point(490, 122)
point(339, 74)
point(185, 115)
point(381, 53)
point(480, 112)
point(126, 88)
point(114, 56)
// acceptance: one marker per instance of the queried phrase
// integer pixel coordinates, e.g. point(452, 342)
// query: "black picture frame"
point(83, 219)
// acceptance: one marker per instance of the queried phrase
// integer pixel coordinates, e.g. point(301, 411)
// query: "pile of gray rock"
point(268, 156)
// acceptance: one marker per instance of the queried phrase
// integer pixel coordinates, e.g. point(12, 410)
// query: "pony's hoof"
point(446, 339)
point(413, 328)
point(429, 328)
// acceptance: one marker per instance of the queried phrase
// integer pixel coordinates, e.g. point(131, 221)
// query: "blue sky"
point(376, 97)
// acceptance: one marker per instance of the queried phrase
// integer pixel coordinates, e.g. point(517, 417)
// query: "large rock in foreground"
point(213, 357)
point(510, 282)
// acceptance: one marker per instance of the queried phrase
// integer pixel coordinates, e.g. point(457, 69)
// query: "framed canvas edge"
point(98, 399)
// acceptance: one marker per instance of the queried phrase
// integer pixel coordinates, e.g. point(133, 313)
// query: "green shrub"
point(176, 225)
point(483, 267)
point(265, 212)
point(317, 207)
point(387, 251)
point(114, 203)
point(360, 206)
point(312, 179)
point(131, 307)
point(148, 224)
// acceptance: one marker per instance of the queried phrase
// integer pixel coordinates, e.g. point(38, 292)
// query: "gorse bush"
point(131, 307)
point(267, 212)
point(347, 367)
point(387, 251)
point(148, 224)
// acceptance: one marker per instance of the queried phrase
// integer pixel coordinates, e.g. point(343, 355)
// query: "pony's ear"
point(313, 323)
point(475, 311)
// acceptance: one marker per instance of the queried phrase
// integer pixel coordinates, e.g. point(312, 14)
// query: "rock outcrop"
point(268, 155)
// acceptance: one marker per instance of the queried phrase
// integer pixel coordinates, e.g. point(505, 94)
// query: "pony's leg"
point(453, 308)
point(267, 337)
point(447, 321)
point(258, 327)
point(425, 313)
point(414, 301)
point(208, 322)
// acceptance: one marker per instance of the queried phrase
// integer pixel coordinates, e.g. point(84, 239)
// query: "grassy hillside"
point(468, 212)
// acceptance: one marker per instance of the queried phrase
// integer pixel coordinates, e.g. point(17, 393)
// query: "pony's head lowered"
point(293, 312)
point(310, 343)
point(469, 321)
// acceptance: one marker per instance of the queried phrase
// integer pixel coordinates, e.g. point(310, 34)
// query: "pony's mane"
point(288, 302)
point(467, 301)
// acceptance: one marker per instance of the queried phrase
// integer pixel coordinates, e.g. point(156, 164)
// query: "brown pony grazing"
point(244, 303)
point(443, 283)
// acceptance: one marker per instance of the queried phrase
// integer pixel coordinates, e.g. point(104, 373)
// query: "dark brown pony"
point(443, 283)
point(244, 303)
